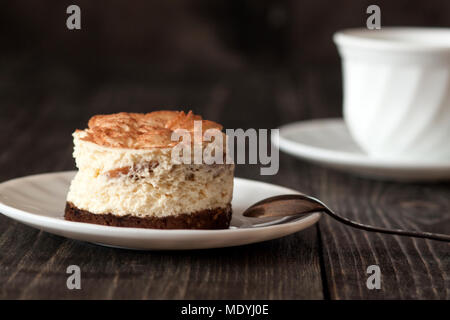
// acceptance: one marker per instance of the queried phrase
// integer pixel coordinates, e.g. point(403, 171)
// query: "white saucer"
point(328, 142)
point(39, 200)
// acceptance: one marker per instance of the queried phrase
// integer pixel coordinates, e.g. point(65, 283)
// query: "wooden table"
point(42, 105)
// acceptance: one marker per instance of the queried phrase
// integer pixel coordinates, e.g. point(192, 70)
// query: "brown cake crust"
point(142, 130)
point(218, 218)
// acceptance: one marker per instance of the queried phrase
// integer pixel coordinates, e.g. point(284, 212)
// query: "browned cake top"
point(141, 130)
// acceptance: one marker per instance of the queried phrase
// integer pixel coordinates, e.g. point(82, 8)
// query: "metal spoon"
point(299, 205)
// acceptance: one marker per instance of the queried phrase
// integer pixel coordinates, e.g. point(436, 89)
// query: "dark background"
point(238, 57)
point(178, 35)
point(256, 64)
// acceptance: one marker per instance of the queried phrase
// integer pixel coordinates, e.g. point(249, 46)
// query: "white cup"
point(397, 91)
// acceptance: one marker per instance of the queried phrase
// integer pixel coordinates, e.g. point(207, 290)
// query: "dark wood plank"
point(38, 139)
point(410, 268)
point(269, 270)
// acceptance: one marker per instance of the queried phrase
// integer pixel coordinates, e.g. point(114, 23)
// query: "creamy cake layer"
point(144, 182)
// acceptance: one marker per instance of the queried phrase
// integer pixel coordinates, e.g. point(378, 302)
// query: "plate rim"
point(323, 155)
point(89, 228)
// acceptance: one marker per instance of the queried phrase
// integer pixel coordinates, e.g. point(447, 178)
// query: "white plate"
point(39, 201)
point(328, 142)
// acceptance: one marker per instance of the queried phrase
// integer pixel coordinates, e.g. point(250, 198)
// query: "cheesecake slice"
point(127, 175)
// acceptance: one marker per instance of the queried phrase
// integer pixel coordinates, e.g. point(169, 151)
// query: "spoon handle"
point(301, 204)
point(416, 234)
